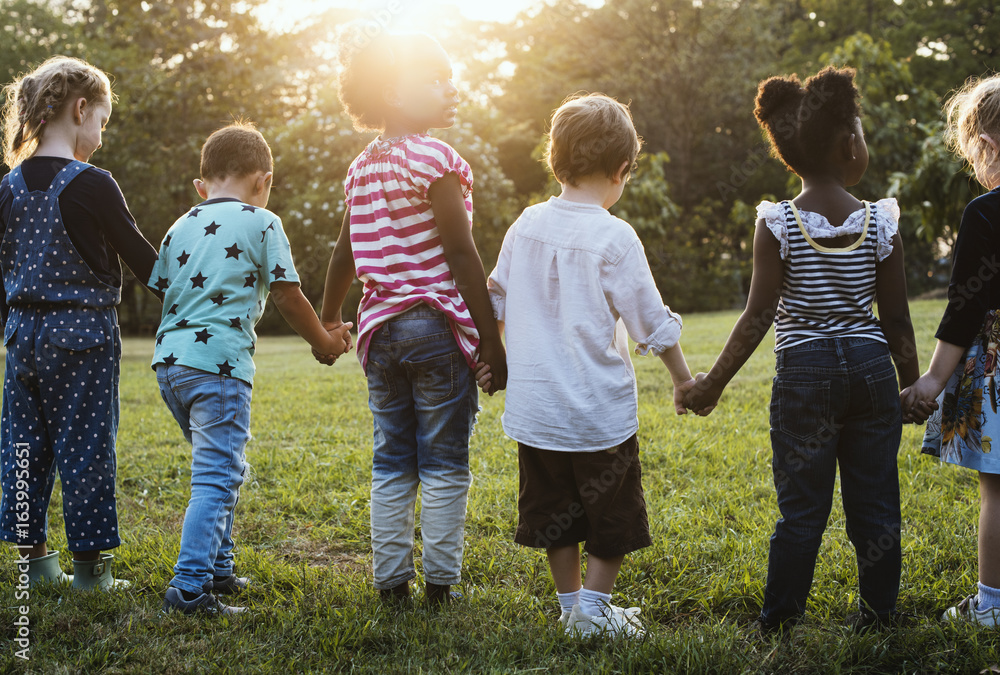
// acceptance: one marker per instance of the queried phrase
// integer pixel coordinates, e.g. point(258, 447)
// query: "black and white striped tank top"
point(827, 292)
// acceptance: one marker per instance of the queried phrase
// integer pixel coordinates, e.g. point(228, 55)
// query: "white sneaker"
point(967, 610)
point(564, 619)
point(614, 622)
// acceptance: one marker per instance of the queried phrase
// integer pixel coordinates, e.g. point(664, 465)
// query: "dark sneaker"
point(230, 585)
point(438, 594)
point(205, 603)
point(397, 595)
point(866, 620)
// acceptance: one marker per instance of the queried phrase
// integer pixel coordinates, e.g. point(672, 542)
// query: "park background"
point(182, 68)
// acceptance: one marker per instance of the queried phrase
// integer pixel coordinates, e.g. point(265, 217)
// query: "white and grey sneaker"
point(613, 622)
point(206, 603)
point(968, 610)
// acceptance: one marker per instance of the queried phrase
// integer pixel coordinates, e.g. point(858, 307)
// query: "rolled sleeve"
point(650, 323)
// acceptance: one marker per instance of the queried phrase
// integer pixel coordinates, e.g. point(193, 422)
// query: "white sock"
point(988, 597)
point(567, 600)
point(594, 603)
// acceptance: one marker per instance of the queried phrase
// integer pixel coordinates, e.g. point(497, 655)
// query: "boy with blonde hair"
point(217, 265)
point(571, 284)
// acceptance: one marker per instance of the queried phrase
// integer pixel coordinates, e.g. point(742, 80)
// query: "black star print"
point(166, 241)
point(172, 310)
point(159, 339)
point(170, 360)
point(278, 271)
point(225, 368)
point(263, 233)
point(210, 229)
point(253, 346)
point(202, 336)
point(182, 323)
point(249, 280)
point(198, 281)
point(233, 252)
point(183, 258)
point(219, 299)
point(161, 284)
point(235, 323)
point(247, 207)
point(193, 212)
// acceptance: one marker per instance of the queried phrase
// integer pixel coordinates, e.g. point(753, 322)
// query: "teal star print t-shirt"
point(215, 270)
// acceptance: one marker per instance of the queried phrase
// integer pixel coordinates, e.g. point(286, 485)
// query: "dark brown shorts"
point(593, 497)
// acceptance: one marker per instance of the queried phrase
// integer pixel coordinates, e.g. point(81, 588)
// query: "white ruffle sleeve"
point(887, 220)
point(773, 216)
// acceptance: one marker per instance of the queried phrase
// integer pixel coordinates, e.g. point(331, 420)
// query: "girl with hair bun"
point(962, 372)
point(425, 314)
point(819, 262)
point(64, 224)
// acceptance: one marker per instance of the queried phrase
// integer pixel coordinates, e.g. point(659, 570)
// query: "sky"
point(283, 14)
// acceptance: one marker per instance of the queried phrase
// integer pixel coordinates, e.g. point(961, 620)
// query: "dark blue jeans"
point(834, 401)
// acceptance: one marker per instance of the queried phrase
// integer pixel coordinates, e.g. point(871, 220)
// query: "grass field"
point(302, 534)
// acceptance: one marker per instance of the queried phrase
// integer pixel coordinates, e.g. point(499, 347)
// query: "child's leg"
point(224, 558)
point(602, 572)
point(989, 530)
point(394, 463)
point(564, 563)
point(214, 413)
point(446, 404)
point(869, 480)
point(26, 457)
point(804, 455)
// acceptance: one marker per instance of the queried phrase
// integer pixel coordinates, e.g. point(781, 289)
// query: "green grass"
point(302, 531)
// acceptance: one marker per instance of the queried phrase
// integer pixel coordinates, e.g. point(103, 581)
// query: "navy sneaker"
point(205, 603)
point(230, 585)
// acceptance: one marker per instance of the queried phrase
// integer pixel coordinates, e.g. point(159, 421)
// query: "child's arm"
point(894, 314)
point(339, 275)
point(680, 374)
point(452, 220)
point(752, 326)
point(301, 316)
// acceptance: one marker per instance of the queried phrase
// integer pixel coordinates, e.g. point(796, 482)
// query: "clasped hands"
point(338, 344)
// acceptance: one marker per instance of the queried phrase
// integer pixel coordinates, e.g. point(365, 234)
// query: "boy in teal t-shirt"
point(216, 267)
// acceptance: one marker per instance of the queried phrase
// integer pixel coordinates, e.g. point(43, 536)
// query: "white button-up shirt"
point(571, 284)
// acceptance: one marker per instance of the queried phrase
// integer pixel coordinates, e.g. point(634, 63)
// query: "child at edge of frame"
point(571, 285)
point(218, 263)
point(64, 224)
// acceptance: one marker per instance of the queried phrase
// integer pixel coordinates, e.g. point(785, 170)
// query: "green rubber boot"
point(90, 574)
point(45, 570)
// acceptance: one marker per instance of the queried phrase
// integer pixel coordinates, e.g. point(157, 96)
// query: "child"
point(963, 367)
point(64, 223)
point(570, 282)
point(821, 259)
point(217, 264)
point(424, 313)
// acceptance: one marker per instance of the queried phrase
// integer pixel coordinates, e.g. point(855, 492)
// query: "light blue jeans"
point(424, 402)
point(213, 411)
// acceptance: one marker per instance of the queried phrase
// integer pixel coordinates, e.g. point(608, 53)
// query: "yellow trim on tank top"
point(824, 249)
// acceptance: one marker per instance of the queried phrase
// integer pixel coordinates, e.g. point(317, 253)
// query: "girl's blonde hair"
point(38, 97)
point(975, 110)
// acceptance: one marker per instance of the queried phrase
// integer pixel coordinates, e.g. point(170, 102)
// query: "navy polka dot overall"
point(60, 394)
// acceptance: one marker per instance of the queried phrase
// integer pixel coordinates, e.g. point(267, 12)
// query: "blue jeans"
point(834, 401)
point(213, 411)
point(424, 402)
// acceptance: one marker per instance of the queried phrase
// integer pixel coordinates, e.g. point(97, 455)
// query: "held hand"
point(483, 378)
point(680, 391)
point(915, 410)
point(338, 342)
point(702, 397)
point(494, 357)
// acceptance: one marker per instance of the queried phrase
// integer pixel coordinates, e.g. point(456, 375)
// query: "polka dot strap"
point(16, 182)
point(64, 177)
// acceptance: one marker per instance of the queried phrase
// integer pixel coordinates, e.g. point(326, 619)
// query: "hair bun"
point(776, 95)
point(834, 88)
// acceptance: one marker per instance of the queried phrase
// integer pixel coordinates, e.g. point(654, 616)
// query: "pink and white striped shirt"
point(397, 248)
